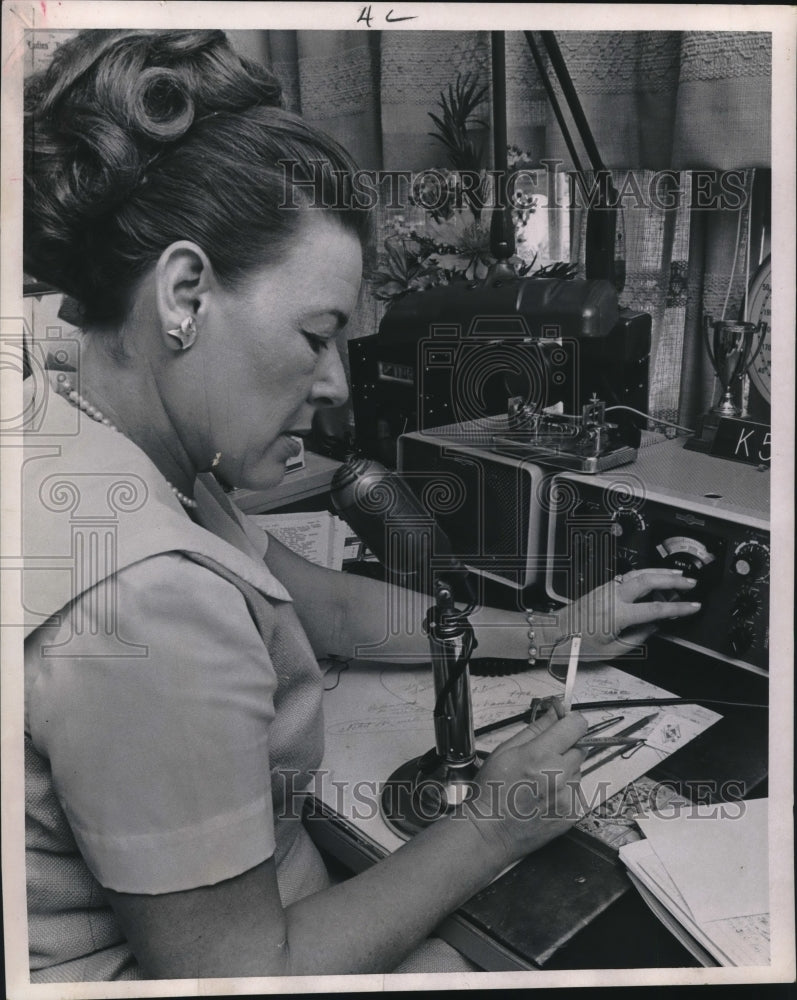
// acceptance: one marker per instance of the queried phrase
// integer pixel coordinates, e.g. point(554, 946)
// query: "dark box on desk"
point(459, 353)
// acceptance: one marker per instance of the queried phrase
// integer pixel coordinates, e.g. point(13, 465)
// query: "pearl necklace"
point(74, 397)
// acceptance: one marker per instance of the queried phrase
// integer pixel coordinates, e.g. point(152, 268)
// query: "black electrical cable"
point(468, 645)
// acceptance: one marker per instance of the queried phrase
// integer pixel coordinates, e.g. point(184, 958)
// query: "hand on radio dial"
point(615, 618)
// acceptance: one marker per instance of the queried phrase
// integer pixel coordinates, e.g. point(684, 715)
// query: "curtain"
point(655, 101)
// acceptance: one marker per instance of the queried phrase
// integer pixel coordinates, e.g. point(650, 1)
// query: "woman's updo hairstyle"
point(137, 139)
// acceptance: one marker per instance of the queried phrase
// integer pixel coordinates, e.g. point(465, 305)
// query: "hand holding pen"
point(593, 742)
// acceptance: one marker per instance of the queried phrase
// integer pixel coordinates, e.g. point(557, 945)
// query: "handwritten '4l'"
point(367, 17)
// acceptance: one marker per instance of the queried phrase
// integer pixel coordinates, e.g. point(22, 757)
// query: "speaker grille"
point(490, 530)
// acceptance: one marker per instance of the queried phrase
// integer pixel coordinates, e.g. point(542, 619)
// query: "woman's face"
point(271, 354)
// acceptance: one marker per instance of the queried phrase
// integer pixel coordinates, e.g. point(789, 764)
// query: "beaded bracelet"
point(532, 637)
point(531, 634)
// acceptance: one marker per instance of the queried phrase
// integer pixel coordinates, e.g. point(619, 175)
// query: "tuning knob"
point(692, 567)
point(627, 522)
point(746, 605)
point(751, 560)
point(741, 637)
point(690, 556)
point(625, 564)
point(689, 564)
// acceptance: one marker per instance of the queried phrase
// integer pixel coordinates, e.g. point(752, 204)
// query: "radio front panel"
point(601, 529)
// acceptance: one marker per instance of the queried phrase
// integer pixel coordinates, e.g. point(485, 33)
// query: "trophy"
point(732, 347)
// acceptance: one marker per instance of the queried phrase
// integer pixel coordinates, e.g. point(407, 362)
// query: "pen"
point(606, 741)
point(595, 745)
point(572, 666)
point(639, 724)
point(596, 742)
point(598, 727)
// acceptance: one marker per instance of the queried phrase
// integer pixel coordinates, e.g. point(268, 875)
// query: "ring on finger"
point(618, 579)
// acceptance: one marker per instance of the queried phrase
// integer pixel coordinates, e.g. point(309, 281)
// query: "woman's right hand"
point(525, 792)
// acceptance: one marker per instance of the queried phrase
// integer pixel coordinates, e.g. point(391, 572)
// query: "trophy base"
point(421, 791)
point(703, 439)
point(707, 428)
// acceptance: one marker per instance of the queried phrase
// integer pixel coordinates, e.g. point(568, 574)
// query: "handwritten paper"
point(379, 716)
point(318, 537)
point(599, 682)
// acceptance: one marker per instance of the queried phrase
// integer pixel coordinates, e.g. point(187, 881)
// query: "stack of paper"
point(318, 536)
point(703, 871)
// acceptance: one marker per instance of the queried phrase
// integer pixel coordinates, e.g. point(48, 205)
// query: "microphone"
point(380, 507)
point(383, 511)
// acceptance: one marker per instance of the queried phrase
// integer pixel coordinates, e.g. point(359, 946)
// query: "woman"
point(172, 679)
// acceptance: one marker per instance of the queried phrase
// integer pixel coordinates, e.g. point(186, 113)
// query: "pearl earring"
point(185, 333)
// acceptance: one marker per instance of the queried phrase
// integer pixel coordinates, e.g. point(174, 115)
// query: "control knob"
point(690, 556)
point(751, 560)
point(746, 605)
point(627, 522)
point(742, 635)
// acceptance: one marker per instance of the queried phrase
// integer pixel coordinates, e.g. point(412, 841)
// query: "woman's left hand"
point(616, 618)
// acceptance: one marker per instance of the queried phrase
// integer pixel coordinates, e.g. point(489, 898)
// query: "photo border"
point(780, 20)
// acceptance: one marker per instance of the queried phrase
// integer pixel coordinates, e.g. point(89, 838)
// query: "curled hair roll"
point(137, 139)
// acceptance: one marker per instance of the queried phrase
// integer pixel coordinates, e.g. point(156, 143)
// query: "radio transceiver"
point(676, 509)
point(529, 525)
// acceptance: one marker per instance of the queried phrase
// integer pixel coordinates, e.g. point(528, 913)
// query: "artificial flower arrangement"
point(451, 243)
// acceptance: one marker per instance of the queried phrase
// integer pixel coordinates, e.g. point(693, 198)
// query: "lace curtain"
point(655, 101)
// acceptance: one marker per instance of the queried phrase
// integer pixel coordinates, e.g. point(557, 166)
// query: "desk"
point(571, 905)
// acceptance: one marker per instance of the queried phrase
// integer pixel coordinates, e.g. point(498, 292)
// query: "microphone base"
point(423, 790)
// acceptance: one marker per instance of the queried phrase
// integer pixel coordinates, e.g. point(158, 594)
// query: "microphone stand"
point(382, 509)
point(427, 787)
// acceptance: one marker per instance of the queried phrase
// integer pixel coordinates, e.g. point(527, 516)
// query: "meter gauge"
point(692, 557)
point(686, 554)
